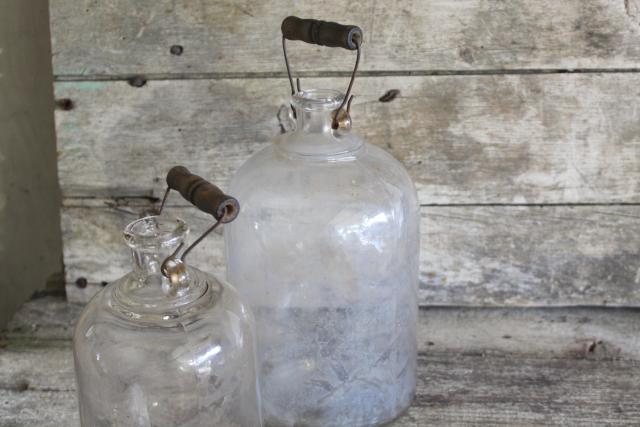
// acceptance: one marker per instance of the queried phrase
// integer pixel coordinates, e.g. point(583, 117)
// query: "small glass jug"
point(168, 345)
point(326, 253)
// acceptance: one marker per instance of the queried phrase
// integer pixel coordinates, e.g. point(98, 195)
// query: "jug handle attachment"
point(324, 33)
point(206, 197)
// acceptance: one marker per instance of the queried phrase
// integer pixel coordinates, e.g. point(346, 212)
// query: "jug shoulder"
point(370, 173)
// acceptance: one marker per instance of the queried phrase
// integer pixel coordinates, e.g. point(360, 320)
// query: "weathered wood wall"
point(518, 121)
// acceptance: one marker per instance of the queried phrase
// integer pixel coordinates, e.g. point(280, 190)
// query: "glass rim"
point(170, 232)
point(318, 99)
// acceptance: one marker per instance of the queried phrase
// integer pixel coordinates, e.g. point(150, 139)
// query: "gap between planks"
point(318, 74)
point(148, 201)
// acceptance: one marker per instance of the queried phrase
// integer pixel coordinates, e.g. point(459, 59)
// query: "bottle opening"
point(155, 232)
point(318, 99)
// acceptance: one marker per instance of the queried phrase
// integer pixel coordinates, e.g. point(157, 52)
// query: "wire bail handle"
point(206, 197)
point(324, 33)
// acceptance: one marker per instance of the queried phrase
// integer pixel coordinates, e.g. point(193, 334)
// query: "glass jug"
point(326, 254)
point(168, 345)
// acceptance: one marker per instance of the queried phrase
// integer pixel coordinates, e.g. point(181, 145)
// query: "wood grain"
point(471, 255)
point(532, 332)
point(490, 120)
point(568, 366)
point(464, 139)
point(118, 37)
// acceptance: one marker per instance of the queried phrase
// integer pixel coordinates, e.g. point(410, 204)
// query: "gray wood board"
point(525, 139)
point(563, 366)
point(118, 37)
point(591, 333)
point(470, 255)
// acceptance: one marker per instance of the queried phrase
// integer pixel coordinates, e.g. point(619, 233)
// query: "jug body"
point(148, 353)
point(326, 254)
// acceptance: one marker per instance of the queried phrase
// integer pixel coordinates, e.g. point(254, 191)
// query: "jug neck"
point(314, 110)
point(146, 295)
point(313, 136)
point(152, 240)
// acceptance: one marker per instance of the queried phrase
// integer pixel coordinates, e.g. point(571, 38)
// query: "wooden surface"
point(527, 139)
point(477, 366)
point(517, 120)
point(117, 37)
point(473, 255)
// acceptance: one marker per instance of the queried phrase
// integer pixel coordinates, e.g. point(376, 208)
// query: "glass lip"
point(318, 99)
point(170, 232)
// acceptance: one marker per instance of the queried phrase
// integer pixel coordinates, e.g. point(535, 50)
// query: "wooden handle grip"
point(322, 33)
point(203, 194)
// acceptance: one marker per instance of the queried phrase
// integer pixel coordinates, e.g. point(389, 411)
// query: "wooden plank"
point(29, 408)
point(562, 138)
point(476, 367)
point(116, 37)
point(564, 332)
point(452, 390)
point(468, 390)
point(43, 366)
point(464, 390)
point(471, 255)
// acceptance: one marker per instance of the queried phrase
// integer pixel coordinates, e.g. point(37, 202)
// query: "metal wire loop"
point(174, 256)
point(347, 98)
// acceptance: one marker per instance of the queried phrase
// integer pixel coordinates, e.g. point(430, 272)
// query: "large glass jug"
point(326, 254)
point(166, 345)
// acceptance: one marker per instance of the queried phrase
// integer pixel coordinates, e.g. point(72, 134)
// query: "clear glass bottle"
point(326, 253)
point(153, 352)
